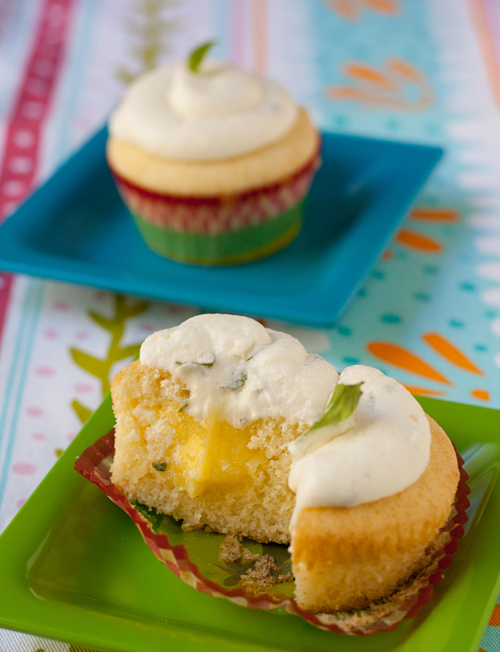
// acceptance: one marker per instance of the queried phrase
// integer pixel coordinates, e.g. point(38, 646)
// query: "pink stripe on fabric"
point(238, 32)
point(5, 289)
point(492, 9)
point(260, 35)
point(23, 133)
point(35, 92)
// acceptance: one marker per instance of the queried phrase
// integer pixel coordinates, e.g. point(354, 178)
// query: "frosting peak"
point(217, 91)
point(220, 112)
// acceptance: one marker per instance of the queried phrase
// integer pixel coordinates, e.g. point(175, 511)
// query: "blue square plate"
point(76, 228)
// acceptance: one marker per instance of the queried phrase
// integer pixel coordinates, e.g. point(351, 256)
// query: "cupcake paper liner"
point(222, 229)
point(194, 557)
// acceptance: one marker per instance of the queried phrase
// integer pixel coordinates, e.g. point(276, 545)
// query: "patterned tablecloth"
point(429, 314)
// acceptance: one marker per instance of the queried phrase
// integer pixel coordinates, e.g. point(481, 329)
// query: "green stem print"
point(115, 325)
point(151, 36)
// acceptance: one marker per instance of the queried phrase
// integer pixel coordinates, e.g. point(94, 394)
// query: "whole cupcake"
point(213, 162)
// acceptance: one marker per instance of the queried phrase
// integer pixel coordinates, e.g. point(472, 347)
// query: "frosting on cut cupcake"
point(219, 112)
point(380, 450)
point(238, 371)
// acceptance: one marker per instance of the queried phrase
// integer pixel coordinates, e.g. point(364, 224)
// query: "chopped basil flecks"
point(160, 466)
point(181, 409)
point(237, 383)
point(196, 56)
point(207, 360)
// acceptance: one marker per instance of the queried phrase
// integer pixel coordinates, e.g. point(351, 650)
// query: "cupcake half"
point(214, 164)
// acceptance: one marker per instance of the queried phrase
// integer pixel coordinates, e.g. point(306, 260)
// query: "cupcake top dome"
point(373, 441)
point(203, 111)
point(239, 371)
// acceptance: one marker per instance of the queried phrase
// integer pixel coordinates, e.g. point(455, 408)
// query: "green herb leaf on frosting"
point(341, 405)
point(237, 383)
point(159, 466)
point(338, 411)
point(196, 56)
point(206, 361)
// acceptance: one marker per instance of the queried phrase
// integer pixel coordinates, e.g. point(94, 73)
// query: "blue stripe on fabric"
point(15, 39)
point(77, 62)
point(221, 14)
point(31, 312)
point(491, 640)
point(12, 376)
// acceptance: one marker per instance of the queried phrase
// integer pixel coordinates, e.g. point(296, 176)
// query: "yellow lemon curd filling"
point(213, 453)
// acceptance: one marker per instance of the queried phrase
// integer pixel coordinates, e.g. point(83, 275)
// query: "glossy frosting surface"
point(382, 449)
point(220, 112)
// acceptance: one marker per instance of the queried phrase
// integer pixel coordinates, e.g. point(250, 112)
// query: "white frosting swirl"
point(381, 450)
point(219, 112)
point(237, 370)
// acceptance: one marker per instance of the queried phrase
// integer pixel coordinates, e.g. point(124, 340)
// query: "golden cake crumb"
point(258, 579)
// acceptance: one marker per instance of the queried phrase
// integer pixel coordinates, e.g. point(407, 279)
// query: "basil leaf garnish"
point(196, 56)
point(340, 407)
point(338, 411)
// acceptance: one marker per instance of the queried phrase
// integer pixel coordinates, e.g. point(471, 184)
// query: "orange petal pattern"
point(404, 359)
point(481, 394)
point(346, 8)
point(419, 242)
point(423, 391)
point(495, 616)
point(450, 352)
point(370, 75)
point(406, 70)
point(351, 9)
point(354, 94)
point(388, 254)
point(384, 86)
point(384, 6)
point(427, 213)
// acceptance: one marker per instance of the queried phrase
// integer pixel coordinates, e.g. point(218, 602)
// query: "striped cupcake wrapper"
point(194, 557)
point(220, 230)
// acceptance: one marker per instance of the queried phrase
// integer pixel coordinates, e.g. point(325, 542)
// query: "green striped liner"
point(225, 248)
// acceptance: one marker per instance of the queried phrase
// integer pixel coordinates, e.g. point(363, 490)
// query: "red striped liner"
point(95, 462)
point(217, 214)
point(30, 109)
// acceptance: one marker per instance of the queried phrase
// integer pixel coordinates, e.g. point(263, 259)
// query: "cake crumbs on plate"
point(258, 579)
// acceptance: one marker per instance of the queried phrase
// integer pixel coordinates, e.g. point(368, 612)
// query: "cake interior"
point(233, 480)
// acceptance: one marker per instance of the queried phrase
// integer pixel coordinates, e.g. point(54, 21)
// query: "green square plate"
point(73, 567)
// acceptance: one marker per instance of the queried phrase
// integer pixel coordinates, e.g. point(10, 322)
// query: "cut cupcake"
point(225, 424)
point(213, 162)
